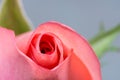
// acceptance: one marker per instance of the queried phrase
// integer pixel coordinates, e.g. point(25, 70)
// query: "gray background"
point(85, 17)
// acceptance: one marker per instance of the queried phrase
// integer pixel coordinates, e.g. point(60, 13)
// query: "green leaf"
point(101, 43)
point(11, 16)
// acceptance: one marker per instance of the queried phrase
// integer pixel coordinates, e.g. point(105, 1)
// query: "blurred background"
point(85, 16)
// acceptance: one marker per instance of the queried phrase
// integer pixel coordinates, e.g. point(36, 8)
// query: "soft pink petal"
point(86, 57)
point(11, 63)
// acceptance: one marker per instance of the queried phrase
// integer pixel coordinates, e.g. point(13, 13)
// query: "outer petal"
point(87, 60)
point(13, 66)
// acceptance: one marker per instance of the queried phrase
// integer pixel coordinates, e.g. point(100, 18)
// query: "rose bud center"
point(46, 50)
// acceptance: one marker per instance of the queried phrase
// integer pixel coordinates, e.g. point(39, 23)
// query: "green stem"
point(101, 43)
point(101, 36)
point(11, 16)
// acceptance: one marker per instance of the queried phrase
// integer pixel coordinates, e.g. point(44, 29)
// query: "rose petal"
point(86, 57)
point(11, 63)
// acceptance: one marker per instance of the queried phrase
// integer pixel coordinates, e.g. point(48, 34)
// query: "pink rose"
point(52, 52)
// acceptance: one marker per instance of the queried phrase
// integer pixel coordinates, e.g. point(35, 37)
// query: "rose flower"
point(52, 52)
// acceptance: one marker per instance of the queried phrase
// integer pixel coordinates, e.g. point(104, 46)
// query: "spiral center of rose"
point(45, 50)
point(47, 45)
